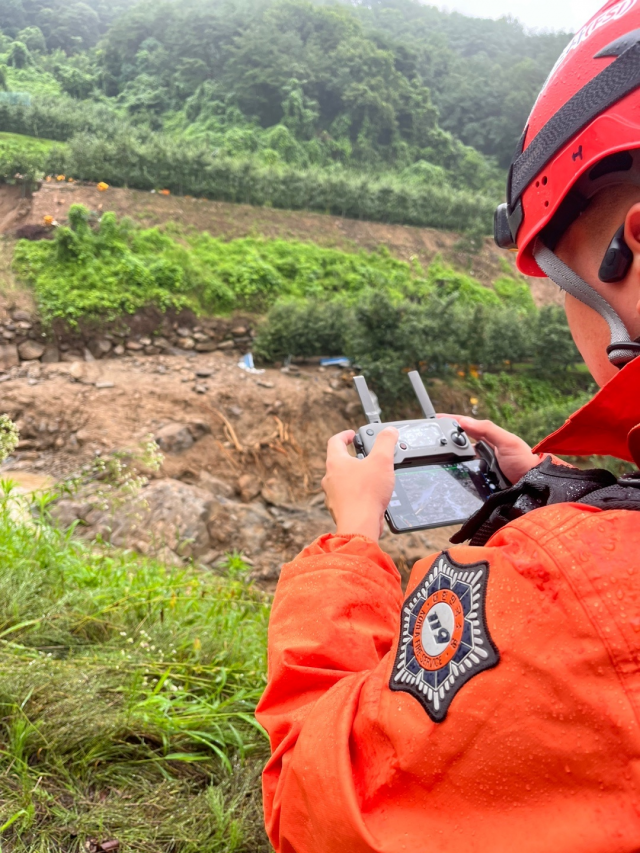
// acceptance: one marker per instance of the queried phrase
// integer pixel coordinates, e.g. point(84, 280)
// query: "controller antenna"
point(370, 409)
point(421, 393)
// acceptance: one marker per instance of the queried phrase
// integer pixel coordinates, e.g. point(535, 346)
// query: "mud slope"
point(239, 220)
point(243, 454)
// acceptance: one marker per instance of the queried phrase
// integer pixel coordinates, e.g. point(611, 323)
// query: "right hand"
point(514, 455)
point(359, 490)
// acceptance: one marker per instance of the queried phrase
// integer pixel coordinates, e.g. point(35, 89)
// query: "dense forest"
point(230, 96)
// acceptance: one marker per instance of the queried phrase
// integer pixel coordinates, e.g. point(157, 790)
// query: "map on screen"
point(437, 495)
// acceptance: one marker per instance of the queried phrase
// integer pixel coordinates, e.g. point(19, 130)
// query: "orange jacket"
point(495, 710)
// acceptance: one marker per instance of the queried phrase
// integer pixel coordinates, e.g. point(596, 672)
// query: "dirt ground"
point(231, 221)
point(243, 453)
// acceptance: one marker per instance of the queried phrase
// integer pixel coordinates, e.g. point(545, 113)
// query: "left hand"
point(359, 490)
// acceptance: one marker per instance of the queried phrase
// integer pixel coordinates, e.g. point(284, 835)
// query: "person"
point(496, 706)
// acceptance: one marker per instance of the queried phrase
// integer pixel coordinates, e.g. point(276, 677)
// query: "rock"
point(201, 389)
point(118, 350)
point(174, 438)
point(210, 558)
point(71, 355)
point(200, 337)
point(204, 372)
point(50, 354)
point(151, 350)
point(183, 332)
point(30, 350)
point(133, 346)
point(21, 316)
point(169, 514)
point(275, 493)
point(186, 343)
point(209, 346)
point(100, 347)
point(167, 519)
point(199, 429)
point(88, 355)
point(239, 527)
point(24, 326)
point(226, 345)
point(83, 435)
point(8, 356)
point(264, 384)
point(248, 487)
point(146, 342)
point(101, 385)
point(161, 343)
point(239, 331)
point(215, 486)
point(76, 370)
point(8, 336)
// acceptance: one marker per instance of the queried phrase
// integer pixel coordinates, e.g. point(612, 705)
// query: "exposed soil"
point(244, 453)
point(230, 221)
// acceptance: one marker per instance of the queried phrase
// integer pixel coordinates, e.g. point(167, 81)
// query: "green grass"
point(111, 268)
point(15, 142)
point(127, 693)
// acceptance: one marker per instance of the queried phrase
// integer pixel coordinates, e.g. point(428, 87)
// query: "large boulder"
point(167, 518)
point(167, 514)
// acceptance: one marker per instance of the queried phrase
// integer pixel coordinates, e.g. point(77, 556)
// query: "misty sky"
point(542, 14)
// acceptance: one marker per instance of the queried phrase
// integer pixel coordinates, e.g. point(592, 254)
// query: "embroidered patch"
point(444, 640)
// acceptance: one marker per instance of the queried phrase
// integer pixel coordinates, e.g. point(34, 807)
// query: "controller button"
point(443, 441)
point(460, 439)
point(403, 446)
point(371, 432)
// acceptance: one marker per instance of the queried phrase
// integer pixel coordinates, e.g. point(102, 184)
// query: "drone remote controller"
point(441, 478)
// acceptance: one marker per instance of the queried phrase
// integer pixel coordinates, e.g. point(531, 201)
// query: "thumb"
point(385, 443)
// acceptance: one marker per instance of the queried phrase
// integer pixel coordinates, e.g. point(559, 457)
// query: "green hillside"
point(214, 98)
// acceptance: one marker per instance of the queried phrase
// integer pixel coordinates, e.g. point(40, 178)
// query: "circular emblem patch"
point(438, 630)
point(444, 640)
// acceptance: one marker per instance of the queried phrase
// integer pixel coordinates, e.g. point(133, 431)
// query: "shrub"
point(307, 328)
point(110, 268)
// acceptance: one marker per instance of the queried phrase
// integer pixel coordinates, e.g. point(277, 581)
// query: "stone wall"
point(24, 339)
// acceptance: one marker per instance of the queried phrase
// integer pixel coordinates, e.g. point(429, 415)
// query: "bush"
point(109, 268)
point(304, 329)
point(386, 336)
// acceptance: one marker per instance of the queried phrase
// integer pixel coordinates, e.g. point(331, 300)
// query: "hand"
point(359, 490)
point(514, 455)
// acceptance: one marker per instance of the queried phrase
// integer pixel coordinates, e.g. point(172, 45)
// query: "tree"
point(19, 56)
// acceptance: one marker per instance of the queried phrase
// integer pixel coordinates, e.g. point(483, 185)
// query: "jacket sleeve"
point(334, 619)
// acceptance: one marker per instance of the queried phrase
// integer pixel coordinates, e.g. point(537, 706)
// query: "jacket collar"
point(609, 425)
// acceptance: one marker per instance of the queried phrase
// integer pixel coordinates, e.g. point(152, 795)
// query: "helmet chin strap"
point(622, 349)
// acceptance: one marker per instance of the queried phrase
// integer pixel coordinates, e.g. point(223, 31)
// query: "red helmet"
point(583, 134)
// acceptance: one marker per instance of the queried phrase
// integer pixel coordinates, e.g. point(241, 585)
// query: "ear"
point(632, 237)
point(632, 229)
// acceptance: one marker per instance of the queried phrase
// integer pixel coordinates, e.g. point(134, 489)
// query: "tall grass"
point(127, 693)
